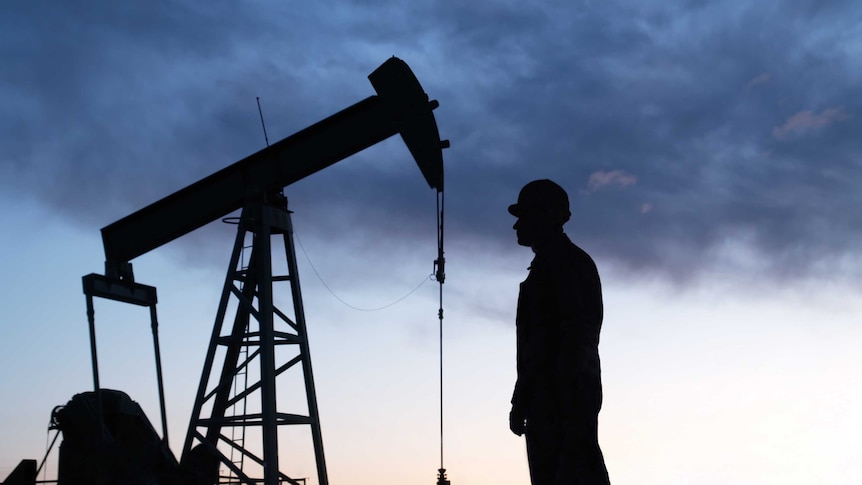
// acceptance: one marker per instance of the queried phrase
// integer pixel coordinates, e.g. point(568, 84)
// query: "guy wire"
point(343, 302)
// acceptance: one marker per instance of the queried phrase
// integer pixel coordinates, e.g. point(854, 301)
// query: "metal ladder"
point(240, 382)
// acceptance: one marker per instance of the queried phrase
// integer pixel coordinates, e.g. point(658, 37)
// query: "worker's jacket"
point(558, 322)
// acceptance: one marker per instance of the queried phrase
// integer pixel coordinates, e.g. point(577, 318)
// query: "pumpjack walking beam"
point(401, 107)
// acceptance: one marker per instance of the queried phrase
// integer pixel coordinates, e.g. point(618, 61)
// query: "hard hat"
point(542, 195)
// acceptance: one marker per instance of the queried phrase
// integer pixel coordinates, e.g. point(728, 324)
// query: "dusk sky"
point(710, 150)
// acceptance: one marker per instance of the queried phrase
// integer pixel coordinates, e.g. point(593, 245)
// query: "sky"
point(710, 152)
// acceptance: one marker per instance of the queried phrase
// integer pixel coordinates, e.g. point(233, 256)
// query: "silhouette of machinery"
point(106, 436)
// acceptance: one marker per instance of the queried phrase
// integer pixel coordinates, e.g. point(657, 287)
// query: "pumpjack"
point(236, 417)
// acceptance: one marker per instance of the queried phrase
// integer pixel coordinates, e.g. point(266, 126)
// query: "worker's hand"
point(517, 421)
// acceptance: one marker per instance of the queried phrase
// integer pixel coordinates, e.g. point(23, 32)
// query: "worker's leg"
point(581, 461)
point(542, 436)
point(542, 451)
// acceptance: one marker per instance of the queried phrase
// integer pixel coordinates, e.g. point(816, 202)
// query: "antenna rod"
point(260, 112)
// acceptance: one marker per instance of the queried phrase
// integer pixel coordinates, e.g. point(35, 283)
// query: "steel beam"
point(401, 106)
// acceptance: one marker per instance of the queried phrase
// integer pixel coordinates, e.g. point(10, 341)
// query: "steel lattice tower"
point(260, 326)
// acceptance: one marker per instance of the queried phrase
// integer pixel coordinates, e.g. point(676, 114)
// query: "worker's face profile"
point(534, 226)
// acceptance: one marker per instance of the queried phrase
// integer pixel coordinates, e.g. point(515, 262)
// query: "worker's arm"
point(517, 416)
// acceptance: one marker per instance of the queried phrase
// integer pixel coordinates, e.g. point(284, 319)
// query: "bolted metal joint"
point(441, 477)
point(120, 271)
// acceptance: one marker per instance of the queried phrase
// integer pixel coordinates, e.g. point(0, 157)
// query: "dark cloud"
point(675, 126)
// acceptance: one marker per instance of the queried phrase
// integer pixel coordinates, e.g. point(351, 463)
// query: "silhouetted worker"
point(558, 393)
